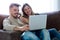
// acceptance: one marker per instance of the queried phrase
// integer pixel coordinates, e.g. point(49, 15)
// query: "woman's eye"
point(28, 8)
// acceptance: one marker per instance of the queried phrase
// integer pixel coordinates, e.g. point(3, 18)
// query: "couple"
point(13, 22)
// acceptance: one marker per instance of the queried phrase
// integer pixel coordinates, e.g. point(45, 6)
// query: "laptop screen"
point(37, 21)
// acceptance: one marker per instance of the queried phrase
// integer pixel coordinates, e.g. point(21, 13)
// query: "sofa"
point(53, 21)
point(7, 34)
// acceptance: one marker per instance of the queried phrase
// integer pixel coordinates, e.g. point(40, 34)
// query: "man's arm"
point(8, 26)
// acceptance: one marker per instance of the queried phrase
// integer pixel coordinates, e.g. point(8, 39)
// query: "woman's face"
point(27, 10)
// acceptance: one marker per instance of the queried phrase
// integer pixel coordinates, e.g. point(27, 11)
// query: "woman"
point(27, 10)
point(42, 34)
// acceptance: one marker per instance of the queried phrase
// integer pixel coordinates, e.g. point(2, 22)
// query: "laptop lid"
point(37, 21)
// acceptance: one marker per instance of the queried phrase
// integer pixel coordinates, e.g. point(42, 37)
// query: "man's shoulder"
point(6, 18)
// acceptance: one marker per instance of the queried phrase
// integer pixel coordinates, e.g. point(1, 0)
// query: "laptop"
point(37, 22)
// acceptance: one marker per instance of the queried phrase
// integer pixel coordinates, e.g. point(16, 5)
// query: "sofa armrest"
point(10, 35)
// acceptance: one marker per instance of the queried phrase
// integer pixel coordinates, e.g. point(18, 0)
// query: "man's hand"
point(24, 28)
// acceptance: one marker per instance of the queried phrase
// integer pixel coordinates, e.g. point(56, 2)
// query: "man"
point(15, 23)
point(12, 22)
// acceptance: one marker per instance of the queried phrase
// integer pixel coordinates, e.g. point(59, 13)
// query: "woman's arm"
point(24, 20)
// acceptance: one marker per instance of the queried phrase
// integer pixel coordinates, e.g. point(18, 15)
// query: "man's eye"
point(14, 10)
point(18, 10)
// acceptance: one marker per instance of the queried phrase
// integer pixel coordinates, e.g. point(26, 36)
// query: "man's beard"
point(16, 17)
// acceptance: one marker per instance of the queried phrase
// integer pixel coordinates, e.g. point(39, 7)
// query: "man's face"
point(14, 11)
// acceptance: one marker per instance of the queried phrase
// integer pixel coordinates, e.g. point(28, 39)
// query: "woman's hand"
point(59, 31)
point(24, 20)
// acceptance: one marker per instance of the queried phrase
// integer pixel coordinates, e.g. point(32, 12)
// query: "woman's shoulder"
point(36, 14)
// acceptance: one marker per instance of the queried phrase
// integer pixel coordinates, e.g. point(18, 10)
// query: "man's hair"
point(14, 4)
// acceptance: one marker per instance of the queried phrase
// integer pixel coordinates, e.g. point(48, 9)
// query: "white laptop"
point(37, 22)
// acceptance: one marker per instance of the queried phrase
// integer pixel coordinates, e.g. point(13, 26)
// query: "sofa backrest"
point(2, 17)
point(53, 20)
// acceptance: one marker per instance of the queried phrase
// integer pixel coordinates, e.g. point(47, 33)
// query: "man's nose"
point(17, 11)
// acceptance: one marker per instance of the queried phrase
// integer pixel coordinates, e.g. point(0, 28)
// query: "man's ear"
point(9, 10)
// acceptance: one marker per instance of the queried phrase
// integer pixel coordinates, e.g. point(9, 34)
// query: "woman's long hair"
point(24, 14)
